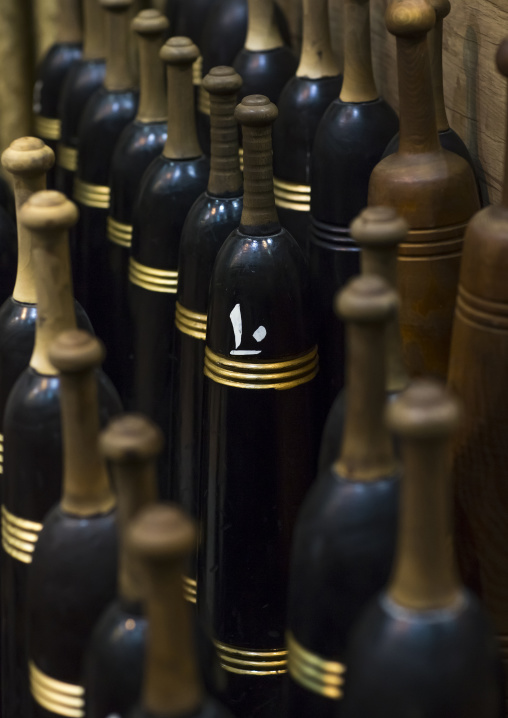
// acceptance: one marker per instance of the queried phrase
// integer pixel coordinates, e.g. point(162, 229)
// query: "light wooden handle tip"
point(255, 111)
point(425, 410)
point(161, 532)
point(222, 80)
point(406, 18)
point(366, 298)
point(76, 351)
point(150, 22)
point(28, 155)
point(48, 210)
point(179, 51)
point(131, 437)
point(379, 226)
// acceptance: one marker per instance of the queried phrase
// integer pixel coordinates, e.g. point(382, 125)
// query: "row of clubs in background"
point(98, 598)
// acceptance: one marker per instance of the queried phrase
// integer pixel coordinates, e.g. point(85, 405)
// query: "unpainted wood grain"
point(475, 94)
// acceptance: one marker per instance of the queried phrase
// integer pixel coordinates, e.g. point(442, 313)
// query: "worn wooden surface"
point(475, 94)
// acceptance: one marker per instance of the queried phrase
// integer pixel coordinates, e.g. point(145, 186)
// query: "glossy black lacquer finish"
point(189, 18)
point(51, 74)
point(436, 663)
point(222, 38)
point(17, 334)
point(82, 80)
point(105, 116)
point(72, 578)
point(301, 106)
point(349, 142)
point(32, 481)
point(8, 254)
point(265, 71)
point(210, 708)
point(209, 223)
point(7, 198)
point(113, 667)
point(259, 457)
point(167, 192)
point(139, 144)
point(116, 650)
point(342, 555)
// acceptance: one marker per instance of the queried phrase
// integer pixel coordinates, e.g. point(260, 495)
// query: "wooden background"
point(475, 93)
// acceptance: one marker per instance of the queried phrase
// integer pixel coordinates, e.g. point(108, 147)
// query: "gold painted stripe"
point(119, 233)
point(276, 375)
point(67, 157)
point(155, 280)
point(240, 157)
point(197, 71)
point(21, 523)
point(19, 536)
point(313, 672)
point(290, 195)
point(48, 128)
point(244, 661)
point(91, 195)
point(190, 323)
point(204, 101)
point(190, 589)
point(65, 699)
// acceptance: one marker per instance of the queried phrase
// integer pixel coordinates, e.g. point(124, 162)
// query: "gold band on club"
point(275, 375)
point(19, 536)
point(91, 195)
point(190, 323)
point(203, 101)
point(290, 195)
point(240, 157)
point(67, 157)
point(47, 128)
point(65, 699)
point(190, 589)
point(197, 71)
point(155, 280)
point(1, 453)
point(314, 673)
point(249, 662)
point(119, 233)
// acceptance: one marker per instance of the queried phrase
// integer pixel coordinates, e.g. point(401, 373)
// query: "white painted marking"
point(259, 334)
point(245, 351)
point(236, 321)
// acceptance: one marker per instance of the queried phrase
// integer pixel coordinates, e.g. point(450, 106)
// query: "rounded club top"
point(161, 532)
point(76, 350)
point(425, 410)
point(179, 51)
point(48, 210)
point(378, 227)
point(256, 110)
point(28, 155)
point(131, 437)
point(150, 22)
point(366, 298)
point(441, 8)
point(405, 18)
point(222, 80)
